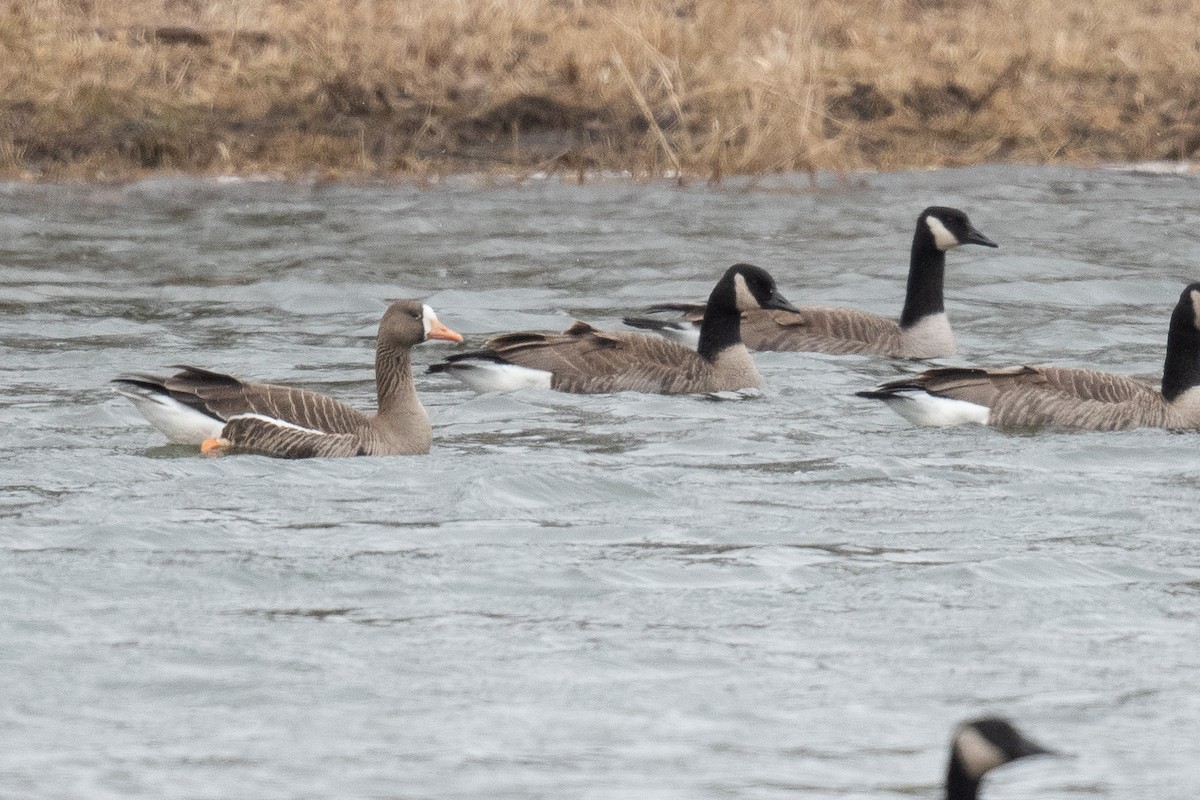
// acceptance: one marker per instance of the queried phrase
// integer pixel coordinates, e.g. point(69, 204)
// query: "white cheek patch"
point(427, 318)
point(745, 299)
point(977, 754)
point(942, 237)
point(1196, 308)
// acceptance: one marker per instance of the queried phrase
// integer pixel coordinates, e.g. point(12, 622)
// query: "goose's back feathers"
point(813, 329)
point(1030, 397)
point(225, 397)
point(585, 359)
point(839, 331)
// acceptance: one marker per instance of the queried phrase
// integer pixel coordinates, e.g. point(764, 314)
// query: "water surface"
point(621, 596)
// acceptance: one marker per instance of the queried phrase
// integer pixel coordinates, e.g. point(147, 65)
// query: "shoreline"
point(706, 89)
point(788, 183)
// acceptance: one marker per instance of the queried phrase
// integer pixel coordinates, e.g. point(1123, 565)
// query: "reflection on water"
point(603, 596)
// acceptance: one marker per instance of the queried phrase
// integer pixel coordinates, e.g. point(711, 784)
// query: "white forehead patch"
point(978, 755)
point(427, 318)
point(942, 237)
point(744, 298)
point(1196, 308)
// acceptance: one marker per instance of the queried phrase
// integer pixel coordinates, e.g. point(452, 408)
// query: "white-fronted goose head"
point(1038, 397)
point(584, 359)
point(216, 411)
point(977, 747)
point(922, 332)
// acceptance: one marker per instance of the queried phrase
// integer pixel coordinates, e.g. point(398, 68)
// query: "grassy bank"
point(111, 89)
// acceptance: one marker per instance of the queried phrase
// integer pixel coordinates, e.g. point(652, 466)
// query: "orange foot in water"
point(214, 446)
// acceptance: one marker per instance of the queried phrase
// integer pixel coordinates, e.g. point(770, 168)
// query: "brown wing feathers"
point(223, 396)
point(838, 331)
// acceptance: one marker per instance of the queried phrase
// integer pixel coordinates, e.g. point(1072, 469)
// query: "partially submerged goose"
point(922, 332)
point(217, 412)
point(584, 359)
point(1038, 397)
point(979, 746)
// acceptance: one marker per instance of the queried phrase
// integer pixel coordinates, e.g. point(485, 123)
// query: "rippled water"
point(615, 596)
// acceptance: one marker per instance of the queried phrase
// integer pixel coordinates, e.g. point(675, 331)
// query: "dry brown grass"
point(102, 88)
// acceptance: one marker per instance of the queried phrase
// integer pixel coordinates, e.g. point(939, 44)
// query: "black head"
point(948, 228)
point(1181, 371)
point(981, 745)
point(745, 287)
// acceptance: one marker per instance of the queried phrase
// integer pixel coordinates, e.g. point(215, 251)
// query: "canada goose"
point(217, 412)
point(977, 747)
point(1037, 397)
point(584, 359)
point(923, 330)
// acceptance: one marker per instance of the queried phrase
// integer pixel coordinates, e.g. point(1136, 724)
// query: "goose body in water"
point(219, 412)
point(922, 332)
point(587, 360)
point(1039, 397)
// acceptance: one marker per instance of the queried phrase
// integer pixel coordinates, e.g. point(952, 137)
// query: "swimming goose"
point(979, 746)
point(923, 330)
point(584, 359)
point(219, 412)
point(1037, 397)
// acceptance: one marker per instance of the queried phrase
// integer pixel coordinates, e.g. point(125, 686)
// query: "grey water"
point(613, 596)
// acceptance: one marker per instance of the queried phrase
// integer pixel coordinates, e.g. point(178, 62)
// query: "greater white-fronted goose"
point(977, 747)
point(922, 332)
point(1039, 397)
point(584, 359)
point(220, 412)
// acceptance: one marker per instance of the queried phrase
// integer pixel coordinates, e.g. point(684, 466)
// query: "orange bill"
point(439, 331)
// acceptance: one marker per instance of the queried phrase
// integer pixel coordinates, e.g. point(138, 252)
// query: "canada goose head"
point(979, 746)
point(410, 322)
point(1181, 371)
point(745, 287)
point(948, 228)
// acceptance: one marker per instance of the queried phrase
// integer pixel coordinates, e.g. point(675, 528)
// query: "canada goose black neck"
point(722, 326)
point(926, 276)
point(1181, 370)
point(743, 287)
point(959, 784)
point(938, 229)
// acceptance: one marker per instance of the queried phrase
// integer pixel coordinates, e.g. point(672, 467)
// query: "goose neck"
point(960, 785)
point(393, 381)
point(1181, 369)
point(926, 275)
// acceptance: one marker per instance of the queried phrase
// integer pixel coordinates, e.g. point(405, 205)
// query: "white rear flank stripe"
point(923, 408)
point(279, 423)
point(486, 376)
point(180, 423)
